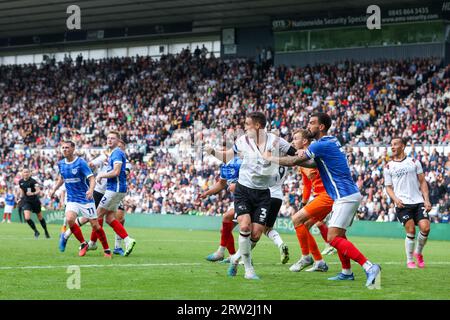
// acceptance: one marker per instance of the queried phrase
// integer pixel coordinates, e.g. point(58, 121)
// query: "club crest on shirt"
point(74, 171)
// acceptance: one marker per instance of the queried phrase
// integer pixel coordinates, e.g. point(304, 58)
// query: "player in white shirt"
point(406, 186)
point(229, 174)
point(252, 195)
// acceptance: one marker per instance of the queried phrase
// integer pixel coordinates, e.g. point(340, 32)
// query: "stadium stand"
point(149, 100)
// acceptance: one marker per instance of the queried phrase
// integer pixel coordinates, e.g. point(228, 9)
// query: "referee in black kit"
point(30, 202)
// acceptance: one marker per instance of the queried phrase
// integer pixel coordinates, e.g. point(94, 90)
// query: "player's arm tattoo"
point(301, 159)
point(289, 161)
point(310, 163)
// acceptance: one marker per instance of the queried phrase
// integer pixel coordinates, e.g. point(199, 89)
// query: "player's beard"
point(312, 135)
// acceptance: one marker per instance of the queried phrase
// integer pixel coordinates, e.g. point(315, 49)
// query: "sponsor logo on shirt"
point(400, 172)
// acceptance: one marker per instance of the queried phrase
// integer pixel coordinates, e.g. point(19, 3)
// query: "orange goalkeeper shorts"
point(319, 207)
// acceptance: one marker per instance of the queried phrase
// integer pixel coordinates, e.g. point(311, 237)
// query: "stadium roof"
point(31, 17)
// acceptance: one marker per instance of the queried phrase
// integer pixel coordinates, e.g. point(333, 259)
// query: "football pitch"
point(170, 264)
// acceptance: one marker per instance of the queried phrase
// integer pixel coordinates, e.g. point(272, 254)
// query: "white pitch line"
point(104, 265)
point(142, 265)
point(262, 242)
point(380, 263)
point(401, 263)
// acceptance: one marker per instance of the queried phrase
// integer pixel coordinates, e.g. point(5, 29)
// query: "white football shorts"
point(8, 208)
point(111, 200)
point(344, 210)
point(87, 210)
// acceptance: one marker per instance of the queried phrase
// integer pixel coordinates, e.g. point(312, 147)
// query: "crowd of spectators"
point(164, 184)
point(149, 101)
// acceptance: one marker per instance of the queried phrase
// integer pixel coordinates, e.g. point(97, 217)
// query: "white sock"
point(235, 257)
point(127, 240)
point(421, 241)
point(367, 265)
point(318, 261)
point(118, 242)
point(305, 257)
point(409, 247)
point(67, 233)
point(245, 248)
point(347, 272)
point(221, 250)
point(275, 237)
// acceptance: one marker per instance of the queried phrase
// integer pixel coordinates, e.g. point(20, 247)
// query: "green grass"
point(170, 264)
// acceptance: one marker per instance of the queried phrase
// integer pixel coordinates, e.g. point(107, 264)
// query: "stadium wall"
point(447, 53)
point(249, 39)
point(283, 225)
point(436, 50)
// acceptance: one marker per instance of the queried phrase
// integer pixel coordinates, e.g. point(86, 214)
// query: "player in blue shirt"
point(10, 202)
point(116, 189)
point(330, 159)
point(79, 180)
point(80, 221)
point(229, 174)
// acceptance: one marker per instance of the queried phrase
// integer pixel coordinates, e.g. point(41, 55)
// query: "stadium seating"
point(149, 100)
